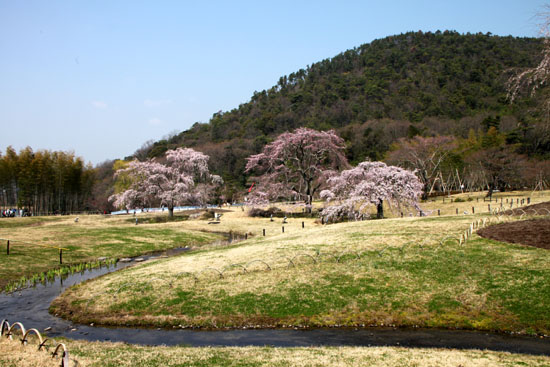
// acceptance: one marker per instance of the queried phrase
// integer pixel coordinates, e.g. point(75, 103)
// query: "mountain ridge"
point(415, 83)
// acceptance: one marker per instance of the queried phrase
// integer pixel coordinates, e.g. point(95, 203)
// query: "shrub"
point(257, 212)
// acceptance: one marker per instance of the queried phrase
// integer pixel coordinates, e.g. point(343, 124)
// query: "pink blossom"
point(184, 179)
point(296, 165)
point(370, 183)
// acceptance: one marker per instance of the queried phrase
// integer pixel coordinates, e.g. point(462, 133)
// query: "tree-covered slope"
point(404, 85)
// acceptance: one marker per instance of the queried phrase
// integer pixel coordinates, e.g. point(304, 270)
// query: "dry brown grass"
point(102, 354)
point(481, 206)
point(116, 354)
point(14, 354)
point(275, 250)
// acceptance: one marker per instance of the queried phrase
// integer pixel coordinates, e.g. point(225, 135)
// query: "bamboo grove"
point(44, 182)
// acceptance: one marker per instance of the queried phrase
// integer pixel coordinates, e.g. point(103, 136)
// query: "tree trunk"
point(171, 211)
point(309, 198)
point(425, 190)
point(380, 210)
point(491, 186)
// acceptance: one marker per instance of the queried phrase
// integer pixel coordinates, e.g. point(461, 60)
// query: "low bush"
point(272, 211)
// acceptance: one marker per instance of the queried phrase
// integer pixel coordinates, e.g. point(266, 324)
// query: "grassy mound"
point(390, 272)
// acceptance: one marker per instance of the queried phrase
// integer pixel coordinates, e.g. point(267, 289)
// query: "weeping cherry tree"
point(184, 179)
point(296, 165)
point(353, 191)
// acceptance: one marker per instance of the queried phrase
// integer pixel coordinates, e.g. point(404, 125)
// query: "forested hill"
point(404, 85)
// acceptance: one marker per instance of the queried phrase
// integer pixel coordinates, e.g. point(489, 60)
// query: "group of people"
point(10, 213)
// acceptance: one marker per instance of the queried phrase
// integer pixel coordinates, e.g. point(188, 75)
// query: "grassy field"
point(100, 354)
point(34, 241)
point(390, 272)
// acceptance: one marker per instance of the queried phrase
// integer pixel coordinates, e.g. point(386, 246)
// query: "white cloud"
point(150, 103)
point(99, 105)
point(155, 121)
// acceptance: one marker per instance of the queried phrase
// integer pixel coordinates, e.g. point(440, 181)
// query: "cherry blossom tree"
point(353, 191)
point(296, 165)
point(533, 78)
point(183, 179)
point(530, 80)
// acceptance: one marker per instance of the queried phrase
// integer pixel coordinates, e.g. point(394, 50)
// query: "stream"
point(30, 306)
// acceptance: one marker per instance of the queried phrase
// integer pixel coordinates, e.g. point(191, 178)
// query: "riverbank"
point(35, 242)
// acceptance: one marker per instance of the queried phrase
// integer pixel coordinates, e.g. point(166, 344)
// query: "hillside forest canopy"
point(434, 102)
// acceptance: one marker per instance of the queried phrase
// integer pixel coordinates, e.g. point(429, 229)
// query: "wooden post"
point(246, 236)
point(8, 248)
point(283, 229)
point(439, 212)
point(456, 211)
point(303, 224)
point(264, 232)
point(60, 256)
point(473, 210)
point(528, 200)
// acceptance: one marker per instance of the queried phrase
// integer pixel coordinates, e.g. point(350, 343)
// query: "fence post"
point(264, 231)
point(8, 248)
point(283, 229)
point(528, 200)
point(438, 211)
point(303, 224)
point(473, 210)
point(246, 236)
point(456, 211)
point(60, 256)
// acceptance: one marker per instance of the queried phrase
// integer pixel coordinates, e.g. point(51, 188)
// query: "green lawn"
point(35, 241)
point(362, 275)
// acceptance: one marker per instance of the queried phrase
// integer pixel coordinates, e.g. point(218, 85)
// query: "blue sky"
point(102, 77)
